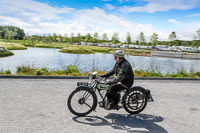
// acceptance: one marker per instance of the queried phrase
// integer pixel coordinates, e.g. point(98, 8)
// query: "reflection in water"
point(52, 59)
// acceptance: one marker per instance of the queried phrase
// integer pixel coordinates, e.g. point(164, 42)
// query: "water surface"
point(53, 59)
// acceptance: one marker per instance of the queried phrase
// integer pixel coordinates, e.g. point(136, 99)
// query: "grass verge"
point(72, 70)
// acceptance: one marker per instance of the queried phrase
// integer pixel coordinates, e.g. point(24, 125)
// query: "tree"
point(60, 38)
point(88, 38)
point(128, 38)
point(66, 38)
point(96, 35)
point(11, 32)
point(49, 38)
point(115, 38)
point(79, 37)
point(141, 38)
point(19, 33)
point(196, 43)
point(154, 39)
point(72, 38)
point(104, 37)
point(197, 37)
point(172, 36)
point(54, 37)
point(8, 35)
point(95, 39)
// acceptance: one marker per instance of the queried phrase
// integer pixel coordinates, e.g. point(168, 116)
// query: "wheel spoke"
point(87, 105)
point(86, 95)
point(135, 101)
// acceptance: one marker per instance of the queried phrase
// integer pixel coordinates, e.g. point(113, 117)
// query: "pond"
point(53, 59)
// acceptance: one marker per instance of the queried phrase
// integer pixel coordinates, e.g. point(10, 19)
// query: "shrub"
point(1, 71)
point(198, 74)
point(7, 72)
point(25, 69)
point(71, 69)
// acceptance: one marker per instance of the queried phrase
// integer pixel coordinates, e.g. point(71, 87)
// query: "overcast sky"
point(104, 16)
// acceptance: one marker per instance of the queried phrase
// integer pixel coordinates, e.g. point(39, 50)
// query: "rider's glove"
point(109, 83)
point(103, 76)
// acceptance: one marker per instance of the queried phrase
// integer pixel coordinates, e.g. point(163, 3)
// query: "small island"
point(4, 52)
point(77, 49)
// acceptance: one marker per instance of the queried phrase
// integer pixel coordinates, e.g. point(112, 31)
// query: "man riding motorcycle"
point(124, 78)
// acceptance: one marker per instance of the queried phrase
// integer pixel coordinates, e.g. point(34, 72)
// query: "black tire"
point(78, 105)
point(135, 100)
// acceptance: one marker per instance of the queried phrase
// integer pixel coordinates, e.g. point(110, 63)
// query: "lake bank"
point(182, 55)
point(53, 59)
point(13, 46)
point(72, 70)
point(5, 47)
point(80, 49)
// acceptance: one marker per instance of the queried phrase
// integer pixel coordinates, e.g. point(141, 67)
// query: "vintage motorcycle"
point(83, 100)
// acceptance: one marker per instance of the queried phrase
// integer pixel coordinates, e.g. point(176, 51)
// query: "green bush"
point(198, 74)
point(1, 71)
point(25, 69)
point(5, 72)
point(28, 70)
point(71, 69)
point(4, 52)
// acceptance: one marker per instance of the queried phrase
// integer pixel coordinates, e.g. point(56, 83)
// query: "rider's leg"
point(114, 93)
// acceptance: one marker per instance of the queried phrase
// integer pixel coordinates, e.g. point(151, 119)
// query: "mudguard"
point(147, 92)
point(85, 88)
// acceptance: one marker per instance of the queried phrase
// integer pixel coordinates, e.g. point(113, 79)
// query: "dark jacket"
point(123, 72)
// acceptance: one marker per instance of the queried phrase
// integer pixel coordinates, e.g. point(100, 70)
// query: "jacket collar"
point(120, 61)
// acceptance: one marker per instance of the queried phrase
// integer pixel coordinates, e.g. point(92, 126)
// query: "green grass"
point(5, 53)
point(50, 45)
point(12, 46)
point(138, 52)
point(76, 50)
point(142, 73)
point(98, 49)
point(183, 74)
point(72, 70)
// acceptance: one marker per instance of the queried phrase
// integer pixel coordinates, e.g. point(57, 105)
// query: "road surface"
point(39, 106)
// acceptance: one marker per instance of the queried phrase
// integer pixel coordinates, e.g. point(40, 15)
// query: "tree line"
point(16, 33)
point(11, 33)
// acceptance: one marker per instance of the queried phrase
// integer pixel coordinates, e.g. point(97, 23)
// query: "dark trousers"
point(113, 94)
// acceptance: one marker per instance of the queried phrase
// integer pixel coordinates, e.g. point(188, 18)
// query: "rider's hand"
point(109, 83)
point(102, 76)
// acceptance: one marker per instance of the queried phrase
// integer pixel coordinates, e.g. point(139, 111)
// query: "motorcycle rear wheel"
point(135, 101)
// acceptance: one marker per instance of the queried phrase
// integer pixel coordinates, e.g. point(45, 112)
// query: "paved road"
point(39, 106)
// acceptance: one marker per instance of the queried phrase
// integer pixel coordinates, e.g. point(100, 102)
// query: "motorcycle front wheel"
point(82, 102)
point(135, 101)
